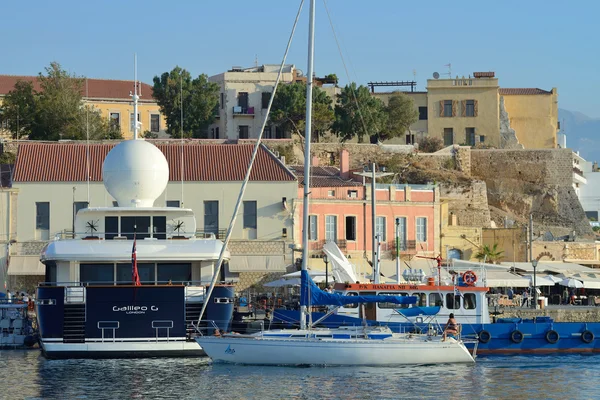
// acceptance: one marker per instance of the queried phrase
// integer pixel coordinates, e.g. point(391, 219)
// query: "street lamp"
point(326, 261)
point(534, 263)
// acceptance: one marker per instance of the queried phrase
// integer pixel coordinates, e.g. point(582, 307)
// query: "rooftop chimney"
point(344, 164)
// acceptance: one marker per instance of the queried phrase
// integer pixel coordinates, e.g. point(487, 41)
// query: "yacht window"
point(392, 305)
point(145, 271)
point(421, 299)
point(470, 301)
point(176, 273)
point(452, 301)
point(159, 227)
point(139, 225)
point(435, 299)
point(111, 227)
point(101, 274)
point(50, 272)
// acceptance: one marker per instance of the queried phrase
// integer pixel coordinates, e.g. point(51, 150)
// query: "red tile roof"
point(522, 91)
point(66, 162)
point(322, 177)
point(489, 74)
point(96, 88)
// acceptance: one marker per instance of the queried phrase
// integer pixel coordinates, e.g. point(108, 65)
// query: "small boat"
point(16, 328)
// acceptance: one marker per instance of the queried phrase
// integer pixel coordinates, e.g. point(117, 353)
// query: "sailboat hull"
point(289, 351)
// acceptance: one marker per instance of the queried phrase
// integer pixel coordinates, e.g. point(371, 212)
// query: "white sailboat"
point(341, 346)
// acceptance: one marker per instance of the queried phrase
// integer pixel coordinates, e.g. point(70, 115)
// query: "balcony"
point(406, 247)
point(318, 245)
point(578, 176)
point(239, 111)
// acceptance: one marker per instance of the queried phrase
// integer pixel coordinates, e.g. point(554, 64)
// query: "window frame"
point(447, 103)
point(383, 237)
point(423, 113)
point(355, 230)
point(313, 226)
point(158, 122)
point(469, 108)
point(248, 215)
point(328, 225)
point(418, 234)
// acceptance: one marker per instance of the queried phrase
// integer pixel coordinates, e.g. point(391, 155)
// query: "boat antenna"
point(249, 170)
point(181, 108)
point(87, 139)
point(135, 98)
point(307, 138)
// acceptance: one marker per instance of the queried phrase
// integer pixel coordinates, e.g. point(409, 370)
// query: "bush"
point(7, 158)
point(149, 135)
point(596, 228)
point(430, 144)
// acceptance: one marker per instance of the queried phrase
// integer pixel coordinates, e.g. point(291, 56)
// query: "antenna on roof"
point(449, 73)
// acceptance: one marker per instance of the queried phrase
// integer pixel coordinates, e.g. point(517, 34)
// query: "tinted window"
point(452, 301)
point(159, 227)
point(139, 225)
point(111, 226)
point(145, 271)
point(470, 301)
point(176, 273)
point(435, 299)
point(97, 273)
point(392, 305)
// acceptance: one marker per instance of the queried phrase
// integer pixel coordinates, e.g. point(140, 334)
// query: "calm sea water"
point(27, 375)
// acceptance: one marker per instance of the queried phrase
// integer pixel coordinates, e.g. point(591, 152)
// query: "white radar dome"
point(135, 173)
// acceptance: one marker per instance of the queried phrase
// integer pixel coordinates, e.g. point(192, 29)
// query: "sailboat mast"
point(135, 98)
point(307, 139)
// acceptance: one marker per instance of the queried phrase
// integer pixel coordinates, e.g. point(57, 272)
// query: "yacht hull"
point(287, 351)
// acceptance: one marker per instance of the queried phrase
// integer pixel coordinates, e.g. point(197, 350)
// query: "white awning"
point(505, 279)
point(26, 265)
point(257, 264)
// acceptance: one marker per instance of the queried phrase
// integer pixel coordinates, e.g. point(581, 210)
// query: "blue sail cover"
point(321, 298)
point(416, 311)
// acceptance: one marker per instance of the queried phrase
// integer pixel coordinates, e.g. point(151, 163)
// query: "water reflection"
point(25, 374)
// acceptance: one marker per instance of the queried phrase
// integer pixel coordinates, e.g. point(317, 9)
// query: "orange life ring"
point(469, 278)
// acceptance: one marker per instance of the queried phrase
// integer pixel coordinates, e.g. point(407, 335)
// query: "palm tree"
point(490, 254)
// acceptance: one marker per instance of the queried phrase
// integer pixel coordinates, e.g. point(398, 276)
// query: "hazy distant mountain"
point(583, 133)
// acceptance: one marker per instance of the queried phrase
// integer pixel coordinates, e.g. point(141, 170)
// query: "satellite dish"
point(436, 75)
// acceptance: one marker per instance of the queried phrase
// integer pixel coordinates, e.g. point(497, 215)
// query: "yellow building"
point(464, 111)
point(461, 242)
point(533, 114)
point(112, 98)
point(476, 111)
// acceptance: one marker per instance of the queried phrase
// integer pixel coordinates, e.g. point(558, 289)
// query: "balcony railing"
point(318, 245)
point(239, 110)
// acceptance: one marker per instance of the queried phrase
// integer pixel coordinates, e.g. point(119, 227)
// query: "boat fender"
point(587, 336)
point(516, 336)
point(552, 336)
point(469, 278)
point(484, 336)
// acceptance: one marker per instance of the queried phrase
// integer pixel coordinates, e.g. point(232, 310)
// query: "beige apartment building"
point(111, 97)
point(475, 110)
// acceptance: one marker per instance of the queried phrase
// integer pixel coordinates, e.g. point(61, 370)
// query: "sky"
point(527, 43)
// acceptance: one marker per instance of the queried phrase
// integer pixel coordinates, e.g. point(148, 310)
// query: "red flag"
point(135, 277)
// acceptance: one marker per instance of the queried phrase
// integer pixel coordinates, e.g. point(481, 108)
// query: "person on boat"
point(525, 298)
point(566, 296)
point(217, 332)
point(451, 329)
point(510, 293)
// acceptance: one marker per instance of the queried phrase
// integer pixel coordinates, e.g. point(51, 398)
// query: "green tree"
point(59, 102)
point(289, 109)
point(401, 114)
point(200, 101)
point(18, 109)
point(359, 114)
point(490, 254)
point(56, 111)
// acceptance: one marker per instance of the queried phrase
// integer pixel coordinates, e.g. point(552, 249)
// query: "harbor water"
point(27, 375)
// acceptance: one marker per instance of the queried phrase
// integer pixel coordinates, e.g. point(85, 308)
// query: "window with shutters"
point(470, 108)
point(331, 228)
point(421, 229)
point(447, 108)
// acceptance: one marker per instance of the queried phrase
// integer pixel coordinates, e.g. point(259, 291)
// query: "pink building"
point(340, 211)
